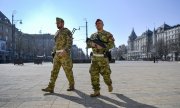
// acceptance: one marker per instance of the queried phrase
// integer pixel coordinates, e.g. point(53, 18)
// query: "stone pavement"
point(136, 85)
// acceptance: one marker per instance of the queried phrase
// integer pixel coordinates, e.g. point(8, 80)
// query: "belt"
point(59, 51)
point(98, 55)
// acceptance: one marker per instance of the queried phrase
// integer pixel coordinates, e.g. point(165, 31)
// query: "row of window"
point(170, 32)
point(5, 29)
point(168, 37)
point(173, 31)
point(5, 38)
point(141, 54)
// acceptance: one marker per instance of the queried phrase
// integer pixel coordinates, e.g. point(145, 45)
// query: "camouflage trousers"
point(66, 63)
point(100, 65)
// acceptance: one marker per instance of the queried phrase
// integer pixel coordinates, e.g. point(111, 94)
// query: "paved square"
point(136, 85)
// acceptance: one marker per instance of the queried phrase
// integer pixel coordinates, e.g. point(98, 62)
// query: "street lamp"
point(86, 38)
point(19, 43)
point(13, 33)
point(86, 35)
point(74, 29)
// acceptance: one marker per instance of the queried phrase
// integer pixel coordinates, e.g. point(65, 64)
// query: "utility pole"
point(12, 56)
point(86, 38)
point(86, 35)
point(13, 35)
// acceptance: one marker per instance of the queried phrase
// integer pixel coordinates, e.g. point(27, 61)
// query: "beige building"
point(30, 46)
point(5, 38)
point(139, 47)
point(163, 42)
point(77, 53)
point(26, 46)
point(166, 41)
point(119, 53)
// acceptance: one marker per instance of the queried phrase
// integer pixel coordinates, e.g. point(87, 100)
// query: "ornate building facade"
point(166, 42)
point(5, 38)
point(163, 42)
point(139, 47)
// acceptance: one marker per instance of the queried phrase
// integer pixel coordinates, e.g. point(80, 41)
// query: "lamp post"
point(19, 44)
point(13, 34)
point(86, 38)
point(86, 35)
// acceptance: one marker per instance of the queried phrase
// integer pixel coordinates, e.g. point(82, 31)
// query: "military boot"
point(96, 93)
point(110, 88)
point(48, 89)
point(71, 88)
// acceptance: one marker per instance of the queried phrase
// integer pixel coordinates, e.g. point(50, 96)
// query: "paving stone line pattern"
point(141, 84)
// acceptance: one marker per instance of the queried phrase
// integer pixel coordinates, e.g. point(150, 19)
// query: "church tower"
point(131, 39)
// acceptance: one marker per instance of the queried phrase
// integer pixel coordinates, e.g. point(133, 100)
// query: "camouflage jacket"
point(63, 40)
point(104, 36)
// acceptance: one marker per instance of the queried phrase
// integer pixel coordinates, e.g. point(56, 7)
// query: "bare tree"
point(174, 46)
point(162, 48)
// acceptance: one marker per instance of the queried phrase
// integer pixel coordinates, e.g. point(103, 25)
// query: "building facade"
point(119, 53)
point(77, 53)
point(15, 44)
point(166, 42)
point(163, 42)
point(139, 47)
point(5, 38)
point(26, 46)
point(31, 46)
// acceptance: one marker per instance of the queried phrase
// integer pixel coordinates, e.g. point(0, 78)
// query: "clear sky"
point(119, 16)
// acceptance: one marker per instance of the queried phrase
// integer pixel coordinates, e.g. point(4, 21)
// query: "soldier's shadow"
point(96, 102)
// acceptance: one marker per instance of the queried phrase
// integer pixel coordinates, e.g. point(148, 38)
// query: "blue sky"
point(119, 16)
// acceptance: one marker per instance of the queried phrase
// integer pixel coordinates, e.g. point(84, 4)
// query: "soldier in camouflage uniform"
point(63, 43)
point(100, 63)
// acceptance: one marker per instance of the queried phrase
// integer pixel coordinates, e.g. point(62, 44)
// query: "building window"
point(6, 38)
point(7, 30)
point(1, 27)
